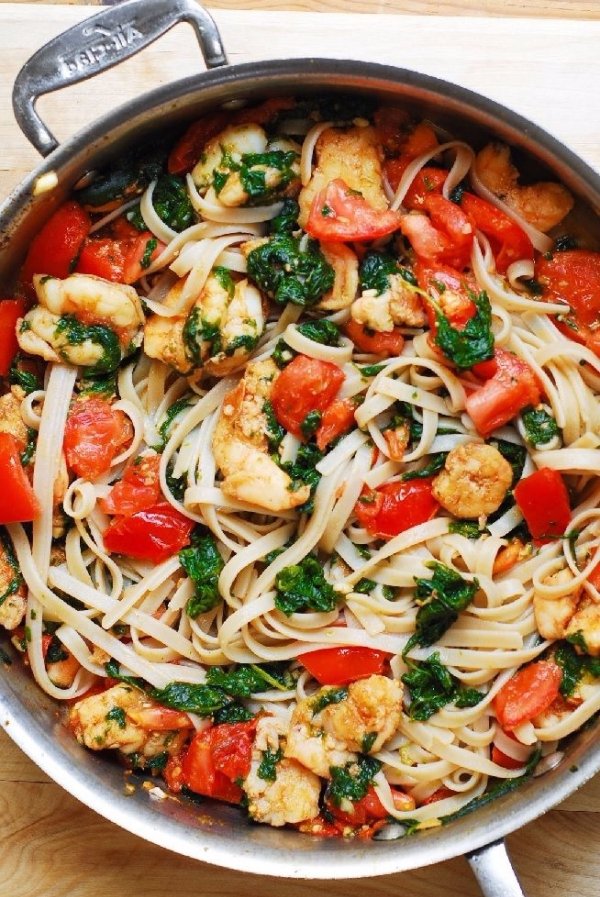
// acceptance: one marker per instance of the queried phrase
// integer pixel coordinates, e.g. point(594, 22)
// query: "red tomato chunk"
point(530, 691)
point(339, 666)
point(305, 385)
point(544, 503)
point(153, 535)
point(395, 507)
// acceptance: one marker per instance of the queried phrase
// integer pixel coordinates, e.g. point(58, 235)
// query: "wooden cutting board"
point(548, 70)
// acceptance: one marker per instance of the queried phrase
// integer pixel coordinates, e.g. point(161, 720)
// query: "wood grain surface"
point(52, 845)
point(547, 9)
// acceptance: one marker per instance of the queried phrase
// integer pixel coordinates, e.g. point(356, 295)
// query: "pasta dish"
point(299, 448)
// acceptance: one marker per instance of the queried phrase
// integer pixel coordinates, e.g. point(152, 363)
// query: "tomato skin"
point(338, 215)
point(94, 435)
point(530, 691)
point(368, 809)
point(544, 503)
point(339, 666)
point(506, 760)
point(154, 534)
point(337, 418)
point(395, 507)
point(448, 287)
point(444, 236)
point(231, 748)
point(573, 276)
point(188, 148)
point(136, 252)
point(512, 387)
point(509, 243)
point(426, 182)
point(388, 344)
point(10, 311)
point(102, 257)
point(55, 248)
point(198, 772)
point(138, 489)
point(18, 503)
point(216, 757)
point(441, 794)
point(305, 385)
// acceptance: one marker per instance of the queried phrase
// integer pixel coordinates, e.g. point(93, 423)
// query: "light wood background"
point(52, 846)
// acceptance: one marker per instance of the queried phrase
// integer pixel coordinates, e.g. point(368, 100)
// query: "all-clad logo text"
point(106, 43)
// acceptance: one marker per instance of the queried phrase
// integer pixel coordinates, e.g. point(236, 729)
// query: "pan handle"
point(493, 870)
point(98, 43)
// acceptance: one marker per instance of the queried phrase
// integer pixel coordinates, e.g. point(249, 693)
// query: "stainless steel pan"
point(215, 832)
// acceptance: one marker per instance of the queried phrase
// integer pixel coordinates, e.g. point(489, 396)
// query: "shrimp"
point(61, 484)
point(474, 481)
point(122, 717)
point(360, 723)
point(293, 796)
point(352, 154)
point(241, 449)
point(372, 708)
point(572, 614)
point(11, 420)
point(13, 594)
point(345, 286)
point(217, 335)
point(238, 179)
point(83, 320)
point(399, 304)
point(544, 204)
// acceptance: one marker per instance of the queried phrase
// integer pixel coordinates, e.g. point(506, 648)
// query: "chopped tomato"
point(139, 255)
point(55, 248)
point(421, 139)
point(339, 666)
point(391, 123)
point(445, 235)
point(441, 794)
point(103, 257)
point(339, 214)
point(503, 759)
point(160, 719)
point(94, 435)
point(305, 385)
point(231, 748)
point(199, 773)
point(367, 809)
point(188, 149)
point(449, 288)
point(509, 243)
point(138, 490)
point(427, 181)
point(154, 534)
point(530, 691)
point(395, 507)
point(544, 503)
point(18, 503)
point(216, 759)
point(512, 387)
point(173, 774)
point(337, 418)
point(574, 277)
point(265, 112)
point(387, 344)
point(10, 311)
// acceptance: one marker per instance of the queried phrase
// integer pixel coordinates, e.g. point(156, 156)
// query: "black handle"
point(99, 43)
